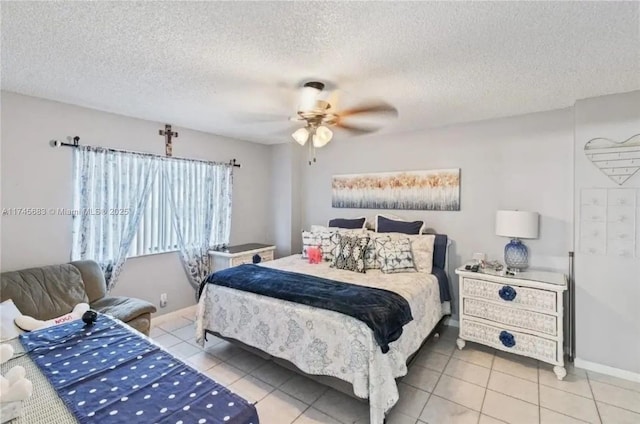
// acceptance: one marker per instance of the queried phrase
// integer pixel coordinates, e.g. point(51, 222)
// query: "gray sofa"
point(51, 291)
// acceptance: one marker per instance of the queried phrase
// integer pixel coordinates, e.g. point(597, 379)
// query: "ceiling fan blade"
point(374, 107)
point(354, 130)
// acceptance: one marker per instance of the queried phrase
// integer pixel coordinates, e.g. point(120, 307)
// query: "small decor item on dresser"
point(516, 225)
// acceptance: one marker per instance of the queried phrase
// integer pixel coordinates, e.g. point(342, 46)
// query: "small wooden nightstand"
point(520, 314)
point(241, 254)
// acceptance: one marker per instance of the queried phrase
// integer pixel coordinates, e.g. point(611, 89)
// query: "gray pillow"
point(349, 253)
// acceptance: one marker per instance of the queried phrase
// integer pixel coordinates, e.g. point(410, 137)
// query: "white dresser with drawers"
point(522, 314)
point(252, 253)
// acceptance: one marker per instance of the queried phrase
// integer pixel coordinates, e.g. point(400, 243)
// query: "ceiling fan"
point(317, 109)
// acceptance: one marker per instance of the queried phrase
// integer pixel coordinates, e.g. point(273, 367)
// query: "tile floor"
point(444, 385)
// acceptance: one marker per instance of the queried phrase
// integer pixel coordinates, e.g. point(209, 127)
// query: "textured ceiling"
point(217, 66)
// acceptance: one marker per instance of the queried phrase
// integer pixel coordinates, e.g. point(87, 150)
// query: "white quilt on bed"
point(323, 342)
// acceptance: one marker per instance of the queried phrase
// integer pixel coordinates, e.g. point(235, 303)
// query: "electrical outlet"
point(163, 300)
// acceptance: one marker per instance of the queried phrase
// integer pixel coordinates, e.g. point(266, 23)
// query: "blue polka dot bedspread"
point(105, 373)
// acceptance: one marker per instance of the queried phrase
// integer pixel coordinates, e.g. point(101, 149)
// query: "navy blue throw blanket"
point(383, 311)
point(107, 374)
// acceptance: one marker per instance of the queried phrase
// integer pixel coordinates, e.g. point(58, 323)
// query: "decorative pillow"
point(8, 313)
point(386, 224)
point(371, 255)
point(328, 244)
point(422, 246)
point(326, 240)
point(309, 239)
point(395, 256)
point(354, 223)
point(349, 253)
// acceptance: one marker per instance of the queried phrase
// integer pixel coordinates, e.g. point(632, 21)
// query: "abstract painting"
point(435, 190)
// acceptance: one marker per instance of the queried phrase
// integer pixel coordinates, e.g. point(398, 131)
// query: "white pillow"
point(397, 218)
point(8, 313)
point(422, 248)
point(319, 228)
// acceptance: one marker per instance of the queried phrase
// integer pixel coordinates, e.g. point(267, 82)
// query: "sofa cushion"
point(93, 279)
point(46, 292)
point(123, 308)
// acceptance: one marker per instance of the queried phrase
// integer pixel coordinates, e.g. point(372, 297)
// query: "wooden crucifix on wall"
point(168, 134)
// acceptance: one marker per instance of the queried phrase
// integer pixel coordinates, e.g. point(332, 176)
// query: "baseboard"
point(160, 319)
point(605, 369)
point(452, 322)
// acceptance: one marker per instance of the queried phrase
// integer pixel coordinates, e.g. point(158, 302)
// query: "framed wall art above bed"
point(434, 190)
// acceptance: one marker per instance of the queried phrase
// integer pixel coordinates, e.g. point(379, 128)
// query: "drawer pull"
point(257, 259)
point(507, 339)
point(507, 293)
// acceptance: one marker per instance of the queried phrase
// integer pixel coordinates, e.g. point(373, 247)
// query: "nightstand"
point(251, 253)
point(520, 314)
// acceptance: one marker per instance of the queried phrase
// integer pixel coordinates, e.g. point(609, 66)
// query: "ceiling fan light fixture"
point(322, 136)
point(309, 95)
point(301, 135)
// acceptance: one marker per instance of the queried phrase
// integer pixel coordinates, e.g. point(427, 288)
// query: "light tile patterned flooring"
point(444, 385)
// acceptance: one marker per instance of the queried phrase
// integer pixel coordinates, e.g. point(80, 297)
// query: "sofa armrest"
point(123, 308)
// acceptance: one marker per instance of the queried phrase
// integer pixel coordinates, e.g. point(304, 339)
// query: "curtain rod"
point(76, 141)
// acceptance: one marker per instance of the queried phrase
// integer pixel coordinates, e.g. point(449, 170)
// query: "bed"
point(110, 373)
point(327, 343)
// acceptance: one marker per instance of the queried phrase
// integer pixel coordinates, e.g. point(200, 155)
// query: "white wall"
point(607, 287)
point(522, 162)
point(286, 207)
point(36, 175)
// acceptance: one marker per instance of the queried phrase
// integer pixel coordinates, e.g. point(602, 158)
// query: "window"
point(155, 233)
point(131, 204)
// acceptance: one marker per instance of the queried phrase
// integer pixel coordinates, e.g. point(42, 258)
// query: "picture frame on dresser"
point(521, 314)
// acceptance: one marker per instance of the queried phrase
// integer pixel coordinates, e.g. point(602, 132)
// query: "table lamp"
point(516, 225)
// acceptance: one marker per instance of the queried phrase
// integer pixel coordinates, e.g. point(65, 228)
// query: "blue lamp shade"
point(517, 225)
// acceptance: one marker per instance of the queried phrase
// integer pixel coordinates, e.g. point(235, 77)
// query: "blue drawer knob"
point(256, 259)
point(507, 293)
point(507, 339)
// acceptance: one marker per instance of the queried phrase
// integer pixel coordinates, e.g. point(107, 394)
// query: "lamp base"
point(516, 256)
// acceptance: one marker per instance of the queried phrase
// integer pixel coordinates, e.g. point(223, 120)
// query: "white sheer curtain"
point(200, 197)
point(110, 191)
